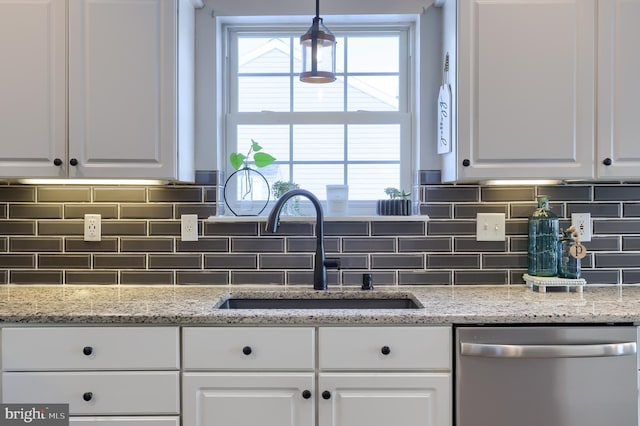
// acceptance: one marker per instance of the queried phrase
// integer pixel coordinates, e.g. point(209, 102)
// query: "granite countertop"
point(194, 305)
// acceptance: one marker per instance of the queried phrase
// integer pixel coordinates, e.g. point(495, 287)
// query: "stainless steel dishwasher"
point(546, 376)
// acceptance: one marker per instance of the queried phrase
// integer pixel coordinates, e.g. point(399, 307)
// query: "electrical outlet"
point(490, 227)
point(582, 223)
point(189, 227)
point(92, 227)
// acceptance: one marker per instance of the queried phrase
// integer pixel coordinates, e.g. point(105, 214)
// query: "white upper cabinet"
point(618, 155)
point(130, 89)
point(525, 92)
point(33, 130)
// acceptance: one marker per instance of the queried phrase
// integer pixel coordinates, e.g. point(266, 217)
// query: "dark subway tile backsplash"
point(616, 193)
point(36, 277)
point(25, 194)
point(35, 211)
point(41, 239)
point(65, 194)
point(507, 193)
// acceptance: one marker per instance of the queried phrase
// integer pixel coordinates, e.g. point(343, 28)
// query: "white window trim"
point(408, 151)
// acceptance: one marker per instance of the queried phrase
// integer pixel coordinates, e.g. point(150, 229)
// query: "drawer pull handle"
point(57, 162)
point(87, 396)
point(306, 394)
point(247, 350)
point(73, 162)
point(607, 161)
point(87, 350)
point(326, 395)
point(386, 350)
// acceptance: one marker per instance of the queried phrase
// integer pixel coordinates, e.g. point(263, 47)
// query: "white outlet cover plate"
point(582, 223)
point(490, 227)
point(189, 227)
point(92, 227)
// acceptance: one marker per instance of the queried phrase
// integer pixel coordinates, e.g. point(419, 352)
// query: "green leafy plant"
point(394, 193)
point(279, 188)
point(240, 162)
point(260, 158)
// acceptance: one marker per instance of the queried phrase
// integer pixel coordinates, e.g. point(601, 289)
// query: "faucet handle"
point(332, 262)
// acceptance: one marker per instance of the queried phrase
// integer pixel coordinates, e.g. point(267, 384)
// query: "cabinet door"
point(618, 89)
point(33, 88)
point(122, 96)
point(247, 399)
point(409, 399)
point(526, 93)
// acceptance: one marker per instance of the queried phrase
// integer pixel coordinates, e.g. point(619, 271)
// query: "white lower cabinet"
point(112, 375)
point(383, 399)
point(360, 376)
point(240, 376)
point(380, 376)
point(248, 399)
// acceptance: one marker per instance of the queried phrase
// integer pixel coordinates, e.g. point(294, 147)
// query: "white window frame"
point(404, 116)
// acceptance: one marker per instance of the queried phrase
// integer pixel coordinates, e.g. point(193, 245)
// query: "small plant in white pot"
point(398, 203)
point(291, 207)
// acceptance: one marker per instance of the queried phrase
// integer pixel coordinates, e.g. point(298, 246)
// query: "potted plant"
point(242, 180)
point(398, 203)
point(278, 189)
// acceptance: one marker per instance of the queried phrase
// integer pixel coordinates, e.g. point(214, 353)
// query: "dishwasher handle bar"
point(547, 351)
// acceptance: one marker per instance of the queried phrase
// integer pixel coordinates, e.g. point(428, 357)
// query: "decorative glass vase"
point(568, 263)
point(246, 192)
point(544, 230)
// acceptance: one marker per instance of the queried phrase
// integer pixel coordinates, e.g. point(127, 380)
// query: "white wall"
point(208, 95)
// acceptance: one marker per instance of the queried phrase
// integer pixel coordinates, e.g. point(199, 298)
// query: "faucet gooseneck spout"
point(273, 222)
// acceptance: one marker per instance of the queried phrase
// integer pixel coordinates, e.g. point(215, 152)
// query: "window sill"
point(374, 218)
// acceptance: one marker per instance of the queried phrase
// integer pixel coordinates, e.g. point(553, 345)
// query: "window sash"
point(402, 117)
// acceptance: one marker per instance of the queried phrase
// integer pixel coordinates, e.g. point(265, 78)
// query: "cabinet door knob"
point(326, 395)
point(306, 394)
point(386, 350)
point(87, 350)
point(73, 162)
point(247, 350)
point(466, 162)
point(607, 161)
point(87, 396)
point(57, 162)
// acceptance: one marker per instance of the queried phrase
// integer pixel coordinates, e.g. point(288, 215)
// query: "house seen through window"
point(354, 131)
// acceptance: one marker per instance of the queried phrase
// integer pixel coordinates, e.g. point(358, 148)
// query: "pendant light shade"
point(318, 52)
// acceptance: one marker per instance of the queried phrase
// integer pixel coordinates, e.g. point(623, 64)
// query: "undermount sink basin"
point(319, 303)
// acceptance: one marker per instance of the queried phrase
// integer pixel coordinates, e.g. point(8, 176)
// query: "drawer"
point(384, 348)
point(253, 348)
point(107, 393)
point(90, 348)
point(124, 421)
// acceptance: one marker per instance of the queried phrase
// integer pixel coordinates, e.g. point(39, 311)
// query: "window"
point(355, 131)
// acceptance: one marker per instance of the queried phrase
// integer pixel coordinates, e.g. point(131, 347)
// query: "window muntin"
point(356, 131)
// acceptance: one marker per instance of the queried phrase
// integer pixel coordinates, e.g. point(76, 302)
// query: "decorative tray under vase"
point(541, 284)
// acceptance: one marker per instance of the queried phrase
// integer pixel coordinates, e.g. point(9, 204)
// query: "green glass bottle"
point(544, 230)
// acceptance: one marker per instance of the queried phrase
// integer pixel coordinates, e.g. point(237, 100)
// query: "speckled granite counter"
point(195, 305)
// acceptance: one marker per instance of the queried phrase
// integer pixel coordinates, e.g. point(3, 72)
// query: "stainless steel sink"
point(247, 302)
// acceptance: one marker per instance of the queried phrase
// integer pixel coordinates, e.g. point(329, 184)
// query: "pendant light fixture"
point(318, 52)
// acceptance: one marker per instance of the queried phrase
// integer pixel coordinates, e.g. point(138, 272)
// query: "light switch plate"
point(490, 227)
